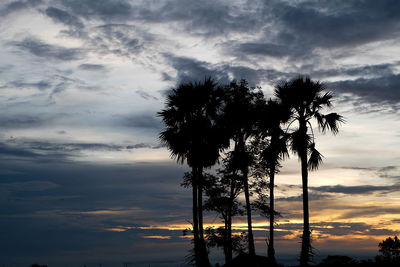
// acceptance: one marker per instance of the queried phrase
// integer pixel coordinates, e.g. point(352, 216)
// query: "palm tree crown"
point(192, 133)
point(306, 100)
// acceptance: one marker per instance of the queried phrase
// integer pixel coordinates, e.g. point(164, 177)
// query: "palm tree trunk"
point(240, 146)
point(306, 241)
point(229, 238)
point(200, 202)
point(226, 241)
point(195, 217)
point(202, 244)
point(252, 250)
point(271, 249)
point(229, 225)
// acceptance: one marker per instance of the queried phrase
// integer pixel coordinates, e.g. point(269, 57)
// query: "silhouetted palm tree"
point(192, 134)
point(239, 121)
point(306, 100)
point(274, 150)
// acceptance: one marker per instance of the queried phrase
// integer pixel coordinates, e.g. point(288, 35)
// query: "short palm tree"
point(272, 116)
point(192, 135)
point(306, 100)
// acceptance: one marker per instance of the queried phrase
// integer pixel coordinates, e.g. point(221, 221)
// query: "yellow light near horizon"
point(156, 237)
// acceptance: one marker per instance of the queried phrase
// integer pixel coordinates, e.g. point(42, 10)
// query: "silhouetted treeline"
point(206, 123)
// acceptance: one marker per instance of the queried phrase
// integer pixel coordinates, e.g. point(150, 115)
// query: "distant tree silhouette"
point(271, 148)
point(239, 119)
point(222, 191)
point(192, 135)
point(306, 100)
point(390, 249)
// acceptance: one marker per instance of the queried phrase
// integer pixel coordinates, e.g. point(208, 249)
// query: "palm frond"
point(330, 122)
point(299, 141)
point(315, 158)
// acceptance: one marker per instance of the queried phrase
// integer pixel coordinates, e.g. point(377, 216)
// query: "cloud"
point(40, 85)
point(146, 121)
point(106, 10)
point(64, 17)
point(311, 196)
point(22, 121)
point(206, 18)
point(356, 190)
point(341, 24)
point(264, 49)
point(18, 5)
point(53, 52)
point(145, 95)
point(92, 67)
point(377, 89)
point(189, 69)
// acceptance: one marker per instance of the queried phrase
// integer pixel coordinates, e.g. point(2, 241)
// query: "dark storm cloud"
point(190, 69)
point(50, 208)
point(22, 121)
point(356, 190)
point(64, 17)
point(265, 49)
point(106, 9)
point(18, 5)
point(68, 148)
point(340, 23)
point(384, 88)
point(146, 121)
point(120, 39)
point(366, 71)
point(20, 84)
point(54, 52)
point(206, 18)
point(92, 67)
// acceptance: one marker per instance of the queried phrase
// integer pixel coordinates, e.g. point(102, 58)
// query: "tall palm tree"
point(271, 117)
point(306, 100)
point(239, 121)
point(192, 135)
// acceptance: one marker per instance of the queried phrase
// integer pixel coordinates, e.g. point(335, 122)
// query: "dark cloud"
point(356, 190)
point(384, 88)
point(52, 207)
point(18, 5)
point(190, 70)
point(370, 71)
point(106, 10)
point(44, 151)
point(64, 17)
point(145, 95)
point(53, 52)
point(147, 121)
point(340, 24)
point(265, 49)
point(40, 85)
point(22, 121)
point(311, 196)
point(206, 18)
point(92, 67)
point(120, 39)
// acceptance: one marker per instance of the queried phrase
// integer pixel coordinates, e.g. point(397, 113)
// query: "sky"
point(84, 179)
